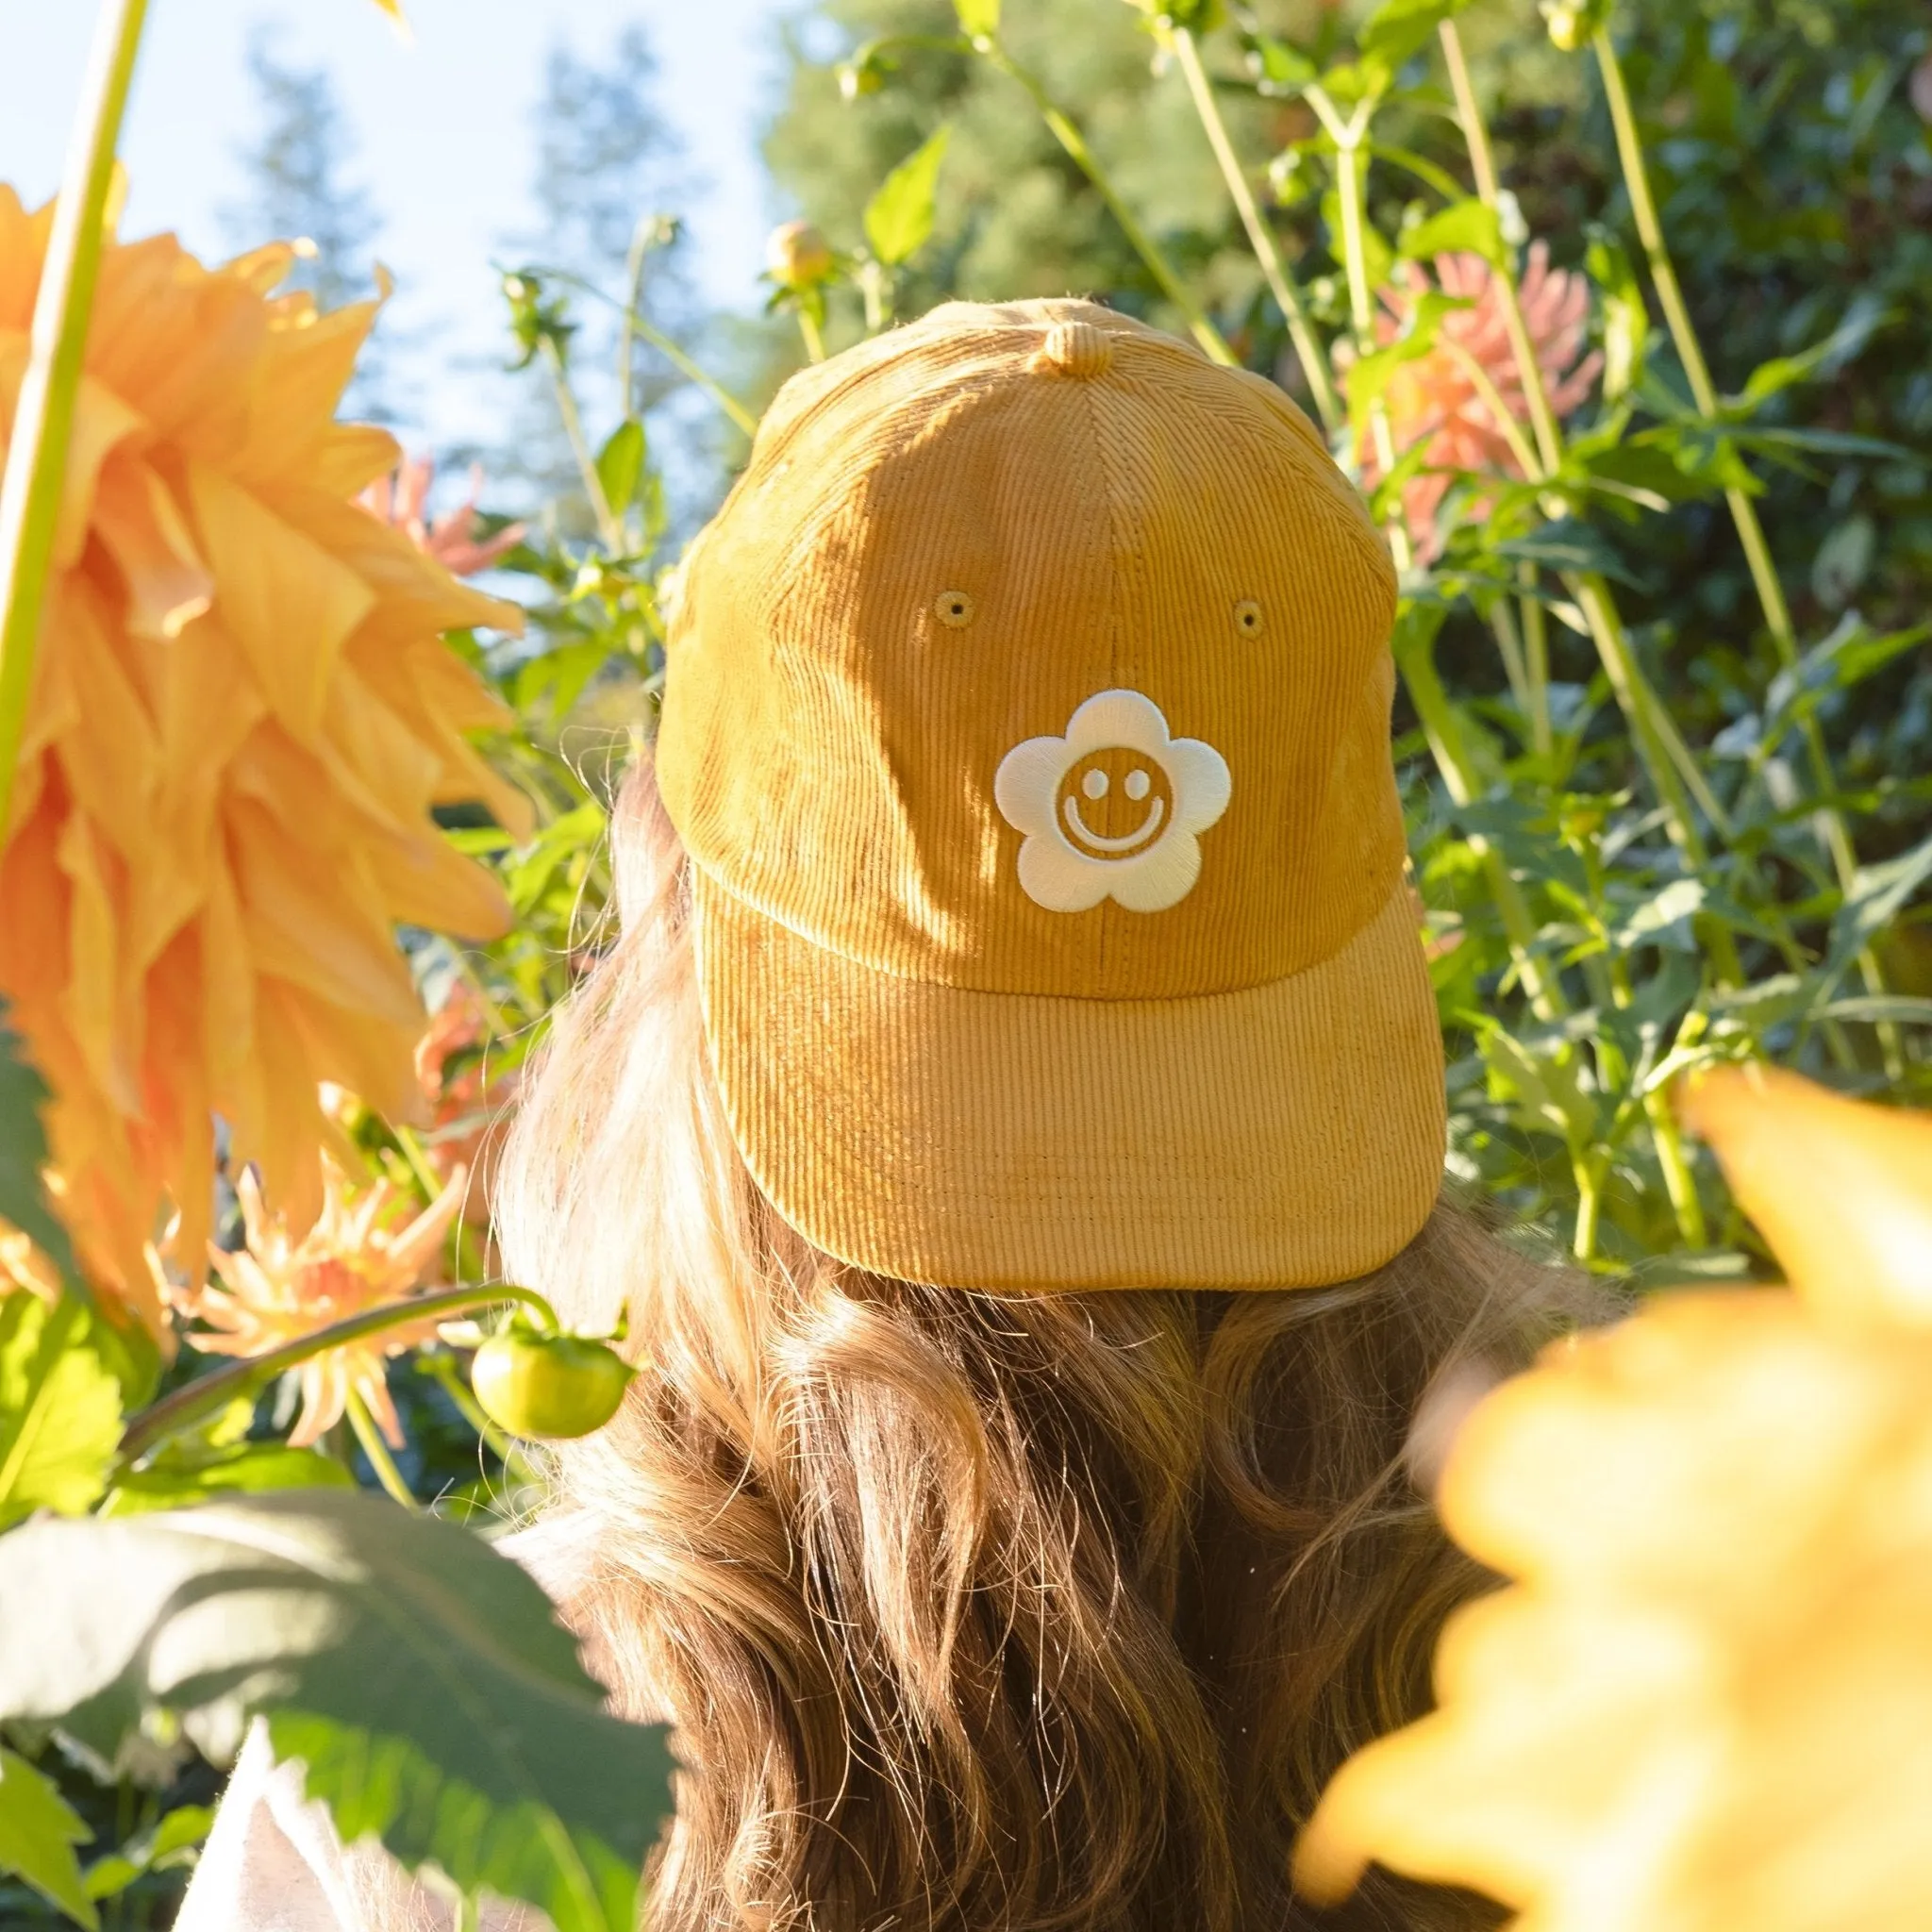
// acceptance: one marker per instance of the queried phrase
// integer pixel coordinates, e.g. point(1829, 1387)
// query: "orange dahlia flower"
point(278, 1289)
point(1436, 401)
point(242, 714)
point(1704, 1702)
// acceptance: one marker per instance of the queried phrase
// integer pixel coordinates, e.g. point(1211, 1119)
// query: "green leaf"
point(899, 218)
point(1370, 376)
point(419, 1676)
point(1844, 561)
point(620, 465)
point(38, 1830)
point(23, 1153)
point(1863, 319)
point(178, 1478)
point(1626, 316)
point(979, 19)
point(60, 1407)
point(1567, 545)
point(1879, 893)
point(1399, 29)
point(1463, 227)
point(1278, 67)
point(169, 1843)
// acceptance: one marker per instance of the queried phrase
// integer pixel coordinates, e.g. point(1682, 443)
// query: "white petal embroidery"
point(1176, 787)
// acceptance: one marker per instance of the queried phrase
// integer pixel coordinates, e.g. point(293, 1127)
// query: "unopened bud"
point(797, 255)
point(1568, 26)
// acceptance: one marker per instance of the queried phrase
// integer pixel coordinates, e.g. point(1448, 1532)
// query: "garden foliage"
point(1623, 325)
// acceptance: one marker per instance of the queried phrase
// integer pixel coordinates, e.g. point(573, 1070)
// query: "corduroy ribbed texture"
point(1286, 1136)
point(948, 1058)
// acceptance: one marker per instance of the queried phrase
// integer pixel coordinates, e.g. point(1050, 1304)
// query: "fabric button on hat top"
point(1027, 725)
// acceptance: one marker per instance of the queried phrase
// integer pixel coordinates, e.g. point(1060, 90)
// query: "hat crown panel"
point(830, 747)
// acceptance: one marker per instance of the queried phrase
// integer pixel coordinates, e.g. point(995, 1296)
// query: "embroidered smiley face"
point(1112, 808)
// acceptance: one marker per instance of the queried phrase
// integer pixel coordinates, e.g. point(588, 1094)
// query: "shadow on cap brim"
point(1290, 1135)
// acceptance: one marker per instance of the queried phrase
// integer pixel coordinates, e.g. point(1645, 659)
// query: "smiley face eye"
point(1139, 785)
point(1095, 783)
point(1247, 618)
point(953, 608)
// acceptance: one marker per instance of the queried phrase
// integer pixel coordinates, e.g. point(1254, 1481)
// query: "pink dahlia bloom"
point(401, 500)
point(1436, 400)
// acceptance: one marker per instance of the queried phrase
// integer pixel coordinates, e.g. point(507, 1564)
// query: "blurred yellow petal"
point(1842, 1190)
point(1703, 1702)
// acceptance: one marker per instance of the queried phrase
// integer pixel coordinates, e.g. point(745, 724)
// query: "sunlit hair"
point(973, 1611)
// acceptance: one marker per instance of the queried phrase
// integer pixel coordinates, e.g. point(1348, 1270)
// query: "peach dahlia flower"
point(1705, 1701)
point(242, 714)
point(278, 1289)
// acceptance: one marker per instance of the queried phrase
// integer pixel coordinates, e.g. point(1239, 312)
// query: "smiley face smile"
point(1084, 835)
point(1114, 801)
point(1112, 809)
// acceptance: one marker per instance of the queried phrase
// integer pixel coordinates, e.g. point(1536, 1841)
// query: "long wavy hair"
point(974, 1612)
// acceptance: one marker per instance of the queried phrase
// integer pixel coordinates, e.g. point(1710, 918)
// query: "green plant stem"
point(1260, 238)
point(1588, 1177)
point(369, 1434)
point(207, 1394)
point(43, 414)
point(1679, 1183)
point(1070, 138)
point(812, 335)
point(1510, 648)
point(1444, 734)
point(640, 325)
point(1482, 162)
point(1536, 652)
point(608, 530)
point(1833, 835)
point(1348, 136)
point(444, 1373)
point(628, 322)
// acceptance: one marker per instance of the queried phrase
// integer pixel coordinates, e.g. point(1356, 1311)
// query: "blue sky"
point(441, 131)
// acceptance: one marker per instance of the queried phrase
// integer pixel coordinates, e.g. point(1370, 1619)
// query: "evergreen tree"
point(294, 187)
point(294, 179)
point(607, 166)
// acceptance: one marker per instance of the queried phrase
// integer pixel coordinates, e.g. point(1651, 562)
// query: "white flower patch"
point(1112, 809)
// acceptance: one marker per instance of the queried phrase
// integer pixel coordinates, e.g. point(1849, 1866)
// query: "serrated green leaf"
point(1463, 227)
point(1567, 545)
point(1865, 316)
point(38, 1830)
point(23, 1153)
point(899, 218)
point(60, 1407)
point(621, 466)
point(1879, 893)
point(979, 19)
point(178, 1482)
point(419, 1676)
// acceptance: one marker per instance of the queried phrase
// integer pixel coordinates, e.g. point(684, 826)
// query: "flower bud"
point(797, 255)
point(1569, 24)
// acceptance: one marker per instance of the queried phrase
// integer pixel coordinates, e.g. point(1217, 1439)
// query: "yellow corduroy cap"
point(1026, 721)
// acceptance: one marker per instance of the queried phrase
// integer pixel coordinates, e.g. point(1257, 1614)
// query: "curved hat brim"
point(1289, 1135)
